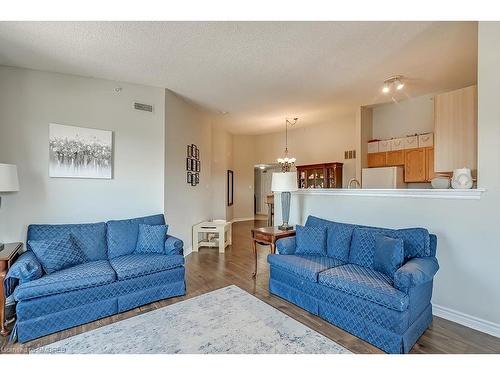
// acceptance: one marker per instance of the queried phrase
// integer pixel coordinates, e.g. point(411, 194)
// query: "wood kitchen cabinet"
point(419, 164)
point(455, 133)
point(377, 159)
point(429, 162)
point(395, 158)
point(415, 170)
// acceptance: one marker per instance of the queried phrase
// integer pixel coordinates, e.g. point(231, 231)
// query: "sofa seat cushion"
point(365, 283)
point(306, 266)
point(81, 276)
point(136, 265)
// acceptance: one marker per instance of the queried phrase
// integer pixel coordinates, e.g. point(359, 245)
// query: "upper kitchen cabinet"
point(455, 133)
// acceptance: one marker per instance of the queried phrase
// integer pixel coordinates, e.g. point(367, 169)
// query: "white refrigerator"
point(383, 178)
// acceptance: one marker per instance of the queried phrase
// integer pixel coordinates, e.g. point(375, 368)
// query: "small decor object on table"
point(193, 165)
point(462, 179)
point(8, 255)
point(268, 236)
point(80, 152)
point(216, 233)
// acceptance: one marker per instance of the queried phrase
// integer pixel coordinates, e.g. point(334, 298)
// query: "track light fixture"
point(394, 81)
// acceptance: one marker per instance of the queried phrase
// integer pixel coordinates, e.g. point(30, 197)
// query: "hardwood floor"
point(208, 270)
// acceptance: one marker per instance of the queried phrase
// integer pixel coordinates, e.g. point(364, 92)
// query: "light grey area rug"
point(227, 320)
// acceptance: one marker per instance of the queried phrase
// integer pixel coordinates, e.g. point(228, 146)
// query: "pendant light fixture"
point(286, 162)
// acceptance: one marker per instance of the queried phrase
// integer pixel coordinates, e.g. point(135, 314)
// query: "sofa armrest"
point(286, 245)
point(26, 268)
point(174, 246)
point(415, 272)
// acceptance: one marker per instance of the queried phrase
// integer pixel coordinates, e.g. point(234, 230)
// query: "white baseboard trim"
point(188, 251)
point(242, 219)
point(467, 320)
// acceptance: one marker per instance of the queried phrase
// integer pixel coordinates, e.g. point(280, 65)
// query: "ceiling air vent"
point(143, 107)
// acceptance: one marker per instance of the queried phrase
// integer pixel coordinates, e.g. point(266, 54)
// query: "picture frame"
point(198, 166)
point(188, 164)
point(189, 151)
point(189, 177)
point(78, 152)
point(197, 178)
point(230, 187)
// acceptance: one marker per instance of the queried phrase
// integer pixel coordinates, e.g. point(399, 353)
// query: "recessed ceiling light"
point(386, 88)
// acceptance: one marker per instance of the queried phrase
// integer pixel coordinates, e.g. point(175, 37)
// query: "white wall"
point(407, 117)
point(186, 205)
point(467, 284)
point(29, 101)
point(321, 143)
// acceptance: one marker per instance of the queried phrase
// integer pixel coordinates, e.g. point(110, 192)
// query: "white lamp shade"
point(284, 181)
point(8, 178)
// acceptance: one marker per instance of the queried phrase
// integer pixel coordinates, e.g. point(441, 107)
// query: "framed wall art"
point(193, 165)
point(76, 152)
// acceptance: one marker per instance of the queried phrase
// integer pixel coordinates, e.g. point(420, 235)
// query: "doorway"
point(263, 174)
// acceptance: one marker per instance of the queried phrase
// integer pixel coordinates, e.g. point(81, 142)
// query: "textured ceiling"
point(258, 72)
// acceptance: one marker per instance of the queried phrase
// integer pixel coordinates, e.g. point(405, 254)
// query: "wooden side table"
point(7, 256)
point(267, 236)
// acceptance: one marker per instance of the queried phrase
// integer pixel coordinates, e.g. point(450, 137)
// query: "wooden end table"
point(267, 236)
point(8, 255)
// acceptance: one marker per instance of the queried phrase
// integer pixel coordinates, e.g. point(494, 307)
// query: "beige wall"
point(244, 159)
point(467, 284)
point(394, 120)
point(186, 205)
point(222, 160)
point(29, 101)
point(319, 143)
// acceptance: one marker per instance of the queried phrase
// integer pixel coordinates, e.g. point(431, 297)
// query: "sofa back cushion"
point(310, 240)
point(90, 238)
point(339, 236)
point(122, 234)
point(416, 243)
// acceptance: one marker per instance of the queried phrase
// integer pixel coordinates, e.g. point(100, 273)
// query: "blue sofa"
point(113, 278)
point(344, 289)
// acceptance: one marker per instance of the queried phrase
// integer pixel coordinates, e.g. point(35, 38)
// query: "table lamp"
point(8, 181)
point(284, 183)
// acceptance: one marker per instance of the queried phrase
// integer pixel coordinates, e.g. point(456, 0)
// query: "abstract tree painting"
point(80, 152)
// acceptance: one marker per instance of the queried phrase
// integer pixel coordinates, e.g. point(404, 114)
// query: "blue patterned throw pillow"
point(389, 255)
point(151, 239)
point(310, 240)
point(57, 253)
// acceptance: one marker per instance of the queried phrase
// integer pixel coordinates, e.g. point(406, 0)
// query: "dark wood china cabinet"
point(320, 176)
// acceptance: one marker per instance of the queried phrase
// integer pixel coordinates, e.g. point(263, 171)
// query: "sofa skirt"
point(384, 328)
point(45, 315)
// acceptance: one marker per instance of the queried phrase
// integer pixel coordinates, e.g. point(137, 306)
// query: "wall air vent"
point(143, 107)
point(351, 154)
